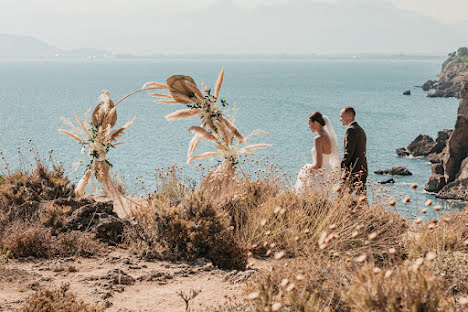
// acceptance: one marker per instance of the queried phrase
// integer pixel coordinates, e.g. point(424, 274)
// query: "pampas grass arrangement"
point(97, 137)
point(215, 127)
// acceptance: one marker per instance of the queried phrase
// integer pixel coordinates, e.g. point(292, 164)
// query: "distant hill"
point(13, 46)
point(454, 69)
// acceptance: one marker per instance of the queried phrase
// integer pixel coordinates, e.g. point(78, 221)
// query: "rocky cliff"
point(450, 166)
point(451, 77)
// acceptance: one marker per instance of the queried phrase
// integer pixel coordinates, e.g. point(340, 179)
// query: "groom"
point(354, 162)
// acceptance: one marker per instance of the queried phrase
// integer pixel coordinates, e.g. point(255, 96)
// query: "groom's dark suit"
point(354, 163)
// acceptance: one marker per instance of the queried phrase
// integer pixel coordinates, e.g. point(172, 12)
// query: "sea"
point(272, 94)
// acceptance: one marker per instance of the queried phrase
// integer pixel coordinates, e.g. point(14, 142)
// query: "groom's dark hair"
point(349, 110)
point(316, 116)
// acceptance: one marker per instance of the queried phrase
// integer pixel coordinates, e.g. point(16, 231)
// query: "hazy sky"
point(242, 26)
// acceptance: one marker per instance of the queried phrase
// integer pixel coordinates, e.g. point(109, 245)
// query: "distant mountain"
point(25, 47)
point(13, 46)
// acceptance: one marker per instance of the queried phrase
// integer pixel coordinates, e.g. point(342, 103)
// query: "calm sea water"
point(276, 96)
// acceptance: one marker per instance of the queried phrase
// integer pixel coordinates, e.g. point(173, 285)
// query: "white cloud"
point(107, 6)
point(447, 11)
point(251, 4)
point(324, 1)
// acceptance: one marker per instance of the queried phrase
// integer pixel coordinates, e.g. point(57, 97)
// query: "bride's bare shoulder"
point(323, 141)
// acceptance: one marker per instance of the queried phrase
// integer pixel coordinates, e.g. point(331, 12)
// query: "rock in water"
point(407, 92)
point(436, 183)
point(402, 171)
point(421, 146)
point(402, 152)
point(389, 181)
point(457, 189)
point(428, 85)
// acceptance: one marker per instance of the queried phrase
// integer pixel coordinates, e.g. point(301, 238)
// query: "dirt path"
point(122, 282)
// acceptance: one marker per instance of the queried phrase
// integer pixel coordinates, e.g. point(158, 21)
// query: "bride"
point(323, 173)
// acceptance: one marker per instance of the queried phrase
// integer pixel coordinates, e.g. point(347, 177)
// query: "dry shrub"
point(57, 300)
point(453, 268)
point(21, 240)
point(247, 196)
point(190, 231)
point(197, 230)
point(42, 183)
point(447, 234)
point(307, 284)
point(296, 223)
point(405, 289)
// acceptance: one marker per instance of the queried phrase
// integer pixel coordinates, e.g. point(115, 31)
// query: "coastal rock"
point(438, 168)
point(428, 85)
point(402, 171)
point(421, 146)
point(451, 76)
point(435, 158)
point(453, 160)
point(100, 219)
point(407, 92)
point(463, 174)
point(436, 183)
point(389, 181)
point(455, 190)
point(402, 152)
point(441, 141)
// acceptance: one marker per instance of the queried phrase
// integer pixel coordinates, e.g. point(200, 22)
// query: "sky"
point(242, 26)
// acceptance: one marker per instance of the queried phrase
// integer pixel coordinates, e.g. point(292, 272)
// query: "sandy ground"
point(122, 282)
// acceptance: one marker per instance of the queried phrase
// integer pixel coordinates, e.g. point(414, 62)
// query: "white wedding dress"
point(320, 181)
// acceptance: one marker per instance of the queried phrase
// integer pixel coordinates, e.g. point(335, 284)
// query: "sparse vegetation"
point(57, 300)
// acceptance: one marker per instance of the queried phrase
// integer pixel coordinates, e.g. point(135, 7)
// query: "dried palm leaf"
point(184, 89)
point(120, 143)
point(155, 85)
point(203, 133)
point(219, 83)
point(183, 113)
point(101, 111)
point(205, 155)
point(71, 135)
point(111, 118)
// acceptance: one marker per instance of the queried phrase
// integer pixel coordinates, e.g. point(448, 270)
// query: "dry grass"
point(57, 300)
point(403, 289)
point(22, 240)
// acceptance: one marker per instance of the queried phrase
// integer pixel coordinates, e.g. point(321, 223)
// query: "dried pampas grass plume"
point(98, 137)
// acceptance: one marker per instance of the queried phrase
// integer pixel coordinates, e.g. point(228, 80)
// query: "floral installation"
point(215, 127)
point(97, 137)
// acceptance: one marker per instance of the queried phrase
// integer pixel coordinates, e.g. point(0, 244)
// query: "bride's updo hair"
point(316, 116)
